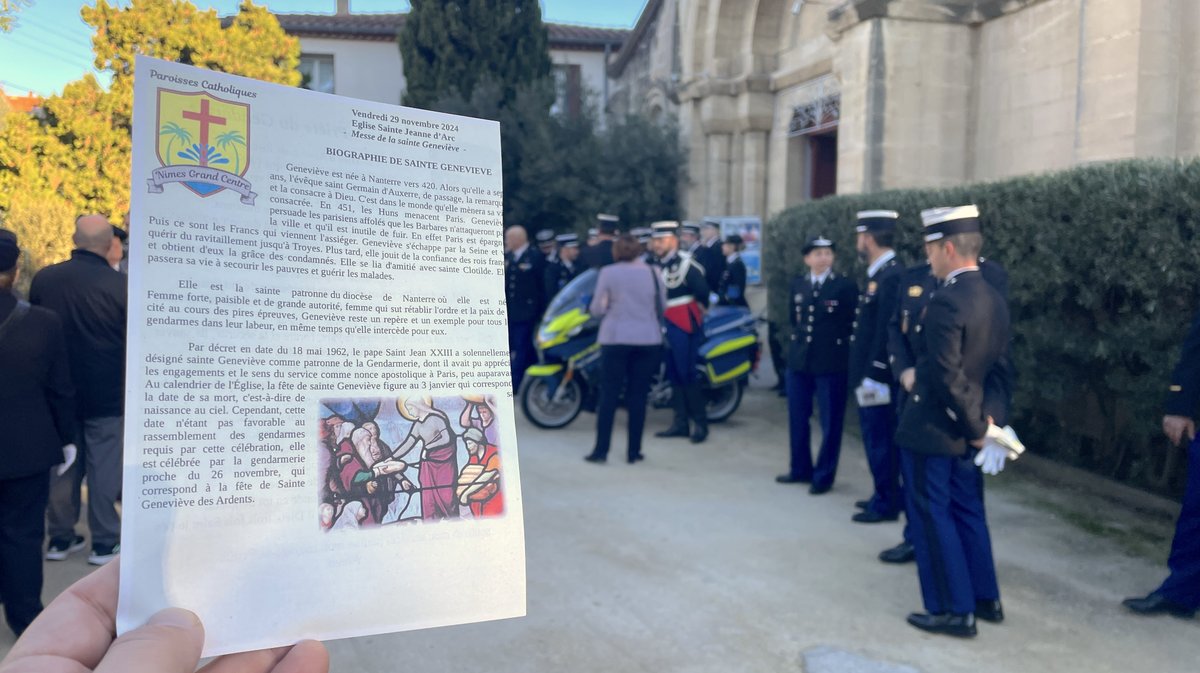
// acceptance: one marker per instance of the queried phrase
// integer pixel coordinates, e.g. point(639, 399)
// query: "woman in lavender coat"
point(629, 299)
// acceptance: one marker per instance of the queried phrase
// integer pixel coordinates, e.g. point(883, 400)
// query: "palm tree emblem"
point(233, 138)
point(176, 132)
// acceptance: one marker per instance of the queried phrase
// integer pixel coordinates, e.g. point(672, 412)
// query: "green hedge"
point(1103, 263)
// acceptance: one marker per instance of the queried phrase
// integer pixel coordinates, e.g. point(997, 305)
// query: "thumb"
point(169, 643)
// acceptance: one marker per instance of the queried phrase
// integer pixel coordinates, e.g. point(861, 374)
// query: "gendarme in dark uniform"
point(732, 289)
point(687, 299)
point(564, 267)
point(709, 254)
point(1179, 594)
point(876, 230)
point(964, 333)
point(524, 292)
point(822, 318)
point(917, 285)
point(599, 254)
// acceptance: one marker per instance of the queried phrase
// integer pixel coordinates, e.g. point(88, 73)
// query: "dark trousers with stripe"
point(949, 532)
point(1183, 585)
point(878, 425)
point(22, 533)
point(830, 393)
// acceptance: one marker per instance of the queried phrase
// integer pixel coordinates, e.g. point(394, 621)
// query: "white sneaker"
point(102, 553)
point(59, 549)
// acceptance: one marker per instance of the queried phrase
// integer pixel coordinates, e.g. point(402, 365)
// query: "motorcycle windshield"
point(569, 308)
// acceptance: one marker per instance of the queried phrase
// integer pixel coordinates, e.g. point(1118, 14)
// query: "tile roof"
point(385, 27)
point(27, 103)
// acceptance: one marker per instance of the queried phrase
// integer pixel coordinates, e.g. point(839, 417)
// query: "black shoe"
point(989, 611)
point(1156, 604)
point(959, 626)
point(699, 434)
point(593, 458)
point(789, 479)
point(871, 516)
point(819, 489)
point(673, 431)
point(901, 553)
point(635, 458)
point(862, 504)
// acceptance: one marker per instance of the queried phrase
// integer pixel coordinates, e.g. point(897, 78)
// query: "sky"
point(51, 46)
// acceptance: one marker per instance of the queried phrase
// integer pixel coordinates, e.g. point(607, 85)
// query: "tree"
point(7, 9)
point(78, 151)
point(452, 46)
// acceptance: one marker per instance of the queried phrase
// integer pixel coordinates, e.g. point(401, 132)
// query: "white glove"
point(70, 453)
point(1006, 437)
point(713, 298)
point(991, 457)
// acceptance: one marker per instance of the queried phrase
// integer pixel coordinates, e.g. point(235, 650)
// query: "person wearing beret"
point(822, 317)
point(36, 396)
point(869, 371)
point(731, 291)
point(964, 334)
point(1179, 594)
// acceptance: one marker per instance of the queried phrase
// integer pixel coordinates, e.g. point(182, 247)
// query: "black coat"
point(876, 304)
point(525, 285)
point(597, 255)
point(91, 300)
point(964, 335)
point(36, 397)
point(731, 291)
point(1184, 394)
point(822, 324)
point(915, 288)
point(712, 258)
point(558, 274)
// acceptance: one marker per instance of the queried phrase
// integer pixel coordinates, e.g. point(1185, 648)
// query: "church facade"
point(784, 101)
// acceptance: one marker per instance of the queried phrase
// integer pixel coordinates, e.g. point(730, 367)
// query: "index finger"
point(78, 625)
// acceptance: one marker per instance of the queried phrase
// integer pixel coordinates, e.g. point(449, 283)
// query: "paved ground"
point(695, 560)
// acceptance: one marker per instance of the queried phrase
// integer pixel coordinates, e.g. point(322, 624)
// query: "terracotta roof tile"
point(385, 27)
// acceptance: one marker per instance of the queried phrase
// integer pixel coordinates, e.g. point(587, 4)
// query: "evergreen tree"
point(450, 47)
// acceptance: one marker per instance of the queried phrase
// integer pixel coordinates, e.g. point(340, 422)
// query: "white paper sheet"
point(315, 296)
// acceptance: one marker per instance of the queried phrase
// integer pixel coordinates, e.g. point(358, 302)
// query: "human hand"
point(1178, 428)
point(908, 378)
point(75, 634)
point(389, 466)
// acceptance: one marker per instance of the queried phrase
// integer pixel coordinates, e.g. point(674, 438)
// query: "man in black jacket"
point(36, 397)
point(708, 253)
point(822, 317)
point(965, 334)
point(876, 230)
point(90, 298)
point(599, 254)
point(525, 297)
point(1179, 594)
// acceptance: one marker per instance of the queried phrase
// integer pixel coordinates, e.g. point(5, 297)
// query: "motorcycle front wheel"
point(720, 403)
point(543, 410)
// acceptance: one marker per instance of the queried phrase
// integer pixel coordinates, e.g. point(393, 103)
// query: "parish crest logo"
point(203, 144)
